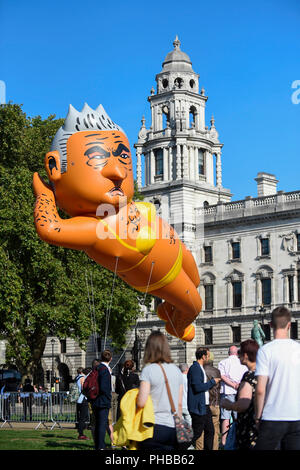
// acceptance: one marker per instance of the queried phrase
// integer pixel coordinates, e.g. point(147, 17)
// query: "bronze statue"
point(257, 333)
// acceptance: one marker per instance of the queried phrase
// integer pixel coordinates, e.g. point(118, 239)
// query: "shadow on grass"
point(59, 437)
point(69, 445)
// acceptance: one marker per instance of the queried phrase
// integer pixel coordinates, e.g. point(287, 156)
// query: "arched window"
point(178, 82)
point(192, 114)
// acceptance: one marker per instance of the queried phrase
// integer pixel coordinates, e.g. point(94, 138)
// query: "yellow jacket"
point(134, 425)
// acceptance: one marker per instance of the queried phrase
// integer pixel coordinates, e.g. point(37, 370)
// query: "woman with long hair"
point(246, 431)
point(157, 354)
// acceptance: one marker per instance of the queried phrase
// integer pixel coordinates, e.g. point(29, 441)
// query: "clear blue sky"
point(247, 54)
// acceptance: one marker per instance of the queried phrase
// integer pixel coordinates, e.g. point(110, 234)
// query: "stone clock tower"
point(182, 156)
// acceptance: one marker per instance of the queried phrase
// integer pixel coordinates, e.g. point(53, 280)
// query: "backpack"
point(90, 387)
point(74, 393)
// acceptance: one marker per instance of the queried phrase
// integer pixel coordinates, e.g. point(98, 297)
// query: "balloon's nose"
point(114, 171)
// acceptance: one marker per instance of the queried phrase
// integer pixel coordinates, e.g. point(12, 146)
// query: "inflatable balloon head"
point(90, 162)
point(90, 172)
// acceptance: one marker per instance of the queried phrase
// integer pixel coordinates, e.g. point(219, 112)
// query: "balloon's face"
point(99, 171)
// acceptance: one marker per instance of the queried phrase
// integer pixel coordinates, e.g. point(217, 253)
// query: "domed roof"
point(177, 60)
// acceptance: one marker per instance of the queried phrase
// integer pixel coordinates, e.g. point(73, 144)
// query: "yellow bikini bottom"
point(168, 278)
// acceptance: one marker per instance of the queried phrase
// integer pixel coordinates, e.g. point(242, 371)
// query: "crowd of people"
point(248, 401)
point(254, 391)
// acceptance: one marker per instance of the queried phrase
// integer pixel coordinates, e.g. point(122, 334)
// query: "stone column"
point(152, 117)
point(185, 162)
point(152, 166)
point(196, 174)
point(170, 163)
point(166, 167)
point(197, 121)
point(218, 170)
point(146, 169)
point(191, 162)
point(258, 291)
point(229, 296)
point(244, 300)
point(139, 169)
point(295, 288)
point(201, 118)
point(178, 162)
point(159, 119)
point(215, 299)
point(209, 167)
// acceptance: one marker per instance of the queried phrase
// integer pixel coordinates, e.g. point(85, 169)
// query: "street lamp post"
point(262, 312)
point(52, 371)
point(136, 350)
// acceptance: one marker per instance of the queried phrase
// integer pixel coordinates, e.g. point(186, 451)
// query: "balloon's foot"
point(186, 334)
point(165, 311)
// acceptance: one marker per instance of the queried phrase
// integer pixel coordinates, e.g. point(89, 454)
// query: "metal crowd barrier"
point(40, 408)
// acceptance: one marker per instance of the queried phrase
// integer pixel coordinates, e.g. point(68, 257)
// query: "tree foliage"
point(43, 288)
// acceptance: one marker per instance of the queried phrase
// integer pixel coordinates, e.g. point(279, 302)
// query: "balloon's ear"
point(52, 164)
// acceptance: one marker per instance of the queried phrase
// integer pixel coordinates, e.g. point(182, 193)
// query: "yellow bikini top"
point(146, 237)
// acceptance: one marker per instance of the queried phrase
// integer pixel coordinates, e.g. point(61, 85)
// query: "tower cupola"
point(177, 72)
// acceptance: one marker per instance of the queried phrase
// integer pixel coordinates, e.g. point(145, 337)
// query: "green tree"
point(137, 196)
point(44, 289)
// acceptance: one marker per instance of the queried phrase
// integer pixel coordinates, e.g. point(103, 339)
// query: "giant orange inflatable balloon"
point(90, 172)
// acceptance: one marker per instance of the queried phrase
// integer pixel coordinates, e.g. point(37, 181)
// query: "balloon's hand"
point(46, 217)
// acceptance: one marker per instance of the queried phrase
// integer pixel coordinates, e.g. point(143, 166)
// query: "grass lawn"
point(43, 439)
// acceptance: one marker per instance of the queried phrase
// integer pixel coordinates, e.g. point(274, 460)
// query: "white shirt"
point(232, 368)
point(106, 364)
point(279, 360)
point(79, 385)
point(184, 395)
point(207, 392)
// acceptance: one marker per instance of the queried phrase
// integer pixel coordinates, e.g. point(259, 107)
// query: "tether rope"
point(136, 323)
point(108, 310)
point(92, 312)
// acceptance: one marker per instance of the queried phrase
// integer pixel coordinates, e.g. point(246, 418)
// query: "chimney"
point(266, 184)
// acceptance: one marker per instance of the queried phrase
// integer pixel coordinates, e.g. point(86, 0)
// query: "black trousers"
point(27, 405)
point(101, 423)
point(164, 438)
point(82, 411)
point(278, 435)
point(203, 423)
